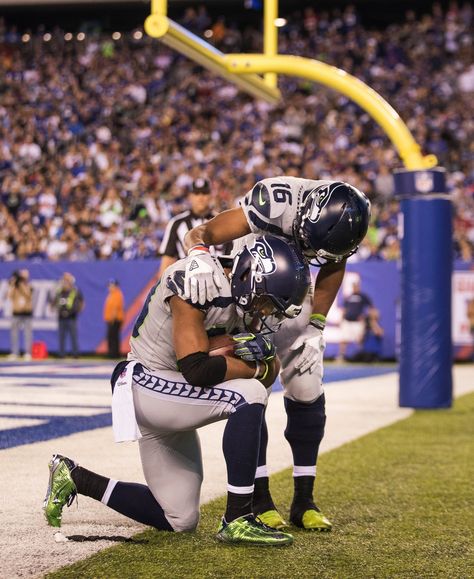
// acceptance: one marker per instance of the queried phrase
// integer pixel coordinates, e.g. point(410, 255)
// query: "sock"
point(303, 486)
point(237, 506)
point(304, 432)
point(262, 499)
point(89, 483)
point(137, 502)
point(305, 429)
point(240, 444)
point(262, 452)
point(303, 499)
point(130, 499)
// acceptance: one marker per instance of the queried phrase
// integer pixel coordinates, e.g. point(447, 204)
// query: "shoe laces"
point(71, 498)
point(262, 525)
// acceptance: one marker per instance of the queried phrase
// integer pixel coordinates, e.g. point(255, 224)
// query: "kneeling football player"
point(170, 386)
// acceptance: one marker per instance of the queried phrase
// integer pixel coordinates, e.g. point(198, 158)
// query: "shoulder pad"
point(175, 282)
point(263, 201)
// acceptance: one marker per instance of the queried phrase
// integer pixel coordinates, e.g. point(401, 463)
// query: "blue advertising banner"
point(380, 281)
point(134, 278)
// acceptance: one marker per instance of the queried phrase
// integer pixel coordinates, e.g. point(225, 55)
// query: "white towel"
point(123, 411)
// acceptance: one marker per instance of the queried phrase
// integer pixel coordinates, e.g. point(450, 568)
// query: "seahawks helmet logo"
point(320, 201)
point(263, 256)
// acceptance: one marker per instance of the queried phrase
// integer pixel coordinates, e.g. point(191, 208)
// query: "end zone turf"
point(400, 499)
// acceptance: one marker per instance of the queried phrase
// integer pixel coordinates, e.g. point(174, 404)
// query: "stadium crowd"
point(100, 137)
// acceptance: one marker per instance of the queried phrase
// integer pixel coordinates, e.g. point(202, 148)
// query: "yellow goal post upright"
point(425, 373)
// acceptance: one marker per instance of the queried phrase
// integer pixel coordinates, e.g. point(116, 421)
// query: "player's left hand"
point(201, 284)
point(253, 347)
point(312, 345)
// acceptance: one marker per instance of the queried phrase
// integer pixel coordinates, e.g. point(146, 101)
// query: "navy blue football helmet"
point(331, 223)
point(269, 281)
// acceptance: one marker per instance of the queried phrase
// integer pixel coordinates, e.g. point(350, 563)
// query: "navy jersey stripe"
point(267, 227)
point(185, 390)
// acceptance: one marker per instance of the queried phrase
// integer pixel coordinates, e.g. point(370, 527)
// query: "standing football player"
point(170, 386)
point(327, 220)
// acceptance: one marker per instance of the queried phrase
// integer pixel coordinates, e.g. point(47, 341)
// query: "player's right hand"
point(253, 347)
point(310, 346)
point(200, 283)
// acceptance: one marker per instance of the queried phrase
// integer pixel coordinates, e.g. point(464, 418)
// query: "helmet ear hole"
point(245, 275)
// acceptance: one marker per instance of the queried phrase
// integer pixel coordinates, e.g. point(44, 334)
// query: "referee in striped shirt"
point(200, 200)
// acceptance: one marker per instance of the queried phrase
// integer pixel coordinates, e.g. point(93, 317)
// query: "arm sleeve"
point(200, 369)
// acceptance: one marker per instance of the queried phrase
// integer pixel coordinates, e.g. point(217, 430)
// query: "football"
point(222, 345)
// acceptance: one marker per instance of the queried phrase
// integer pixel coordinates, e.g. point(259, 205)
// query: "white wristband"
point(257, 370)
point(197, 249)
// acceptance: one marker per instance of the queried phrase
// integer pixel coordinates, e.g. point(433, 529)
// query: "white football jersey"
point(152, 338)
point(272, 204)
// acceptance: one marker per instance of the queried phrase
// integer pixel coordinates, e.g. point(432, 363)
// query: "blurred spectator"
point(111, 209)
point(20, 294)
point(373, 338)
point(69, 302)
point(99, 139)
point(354, 313)
point(113, 316)
point(384, 183)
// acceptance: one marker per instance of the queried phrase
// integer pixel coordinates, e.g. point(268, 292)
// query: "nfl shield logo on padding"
point(424, 181)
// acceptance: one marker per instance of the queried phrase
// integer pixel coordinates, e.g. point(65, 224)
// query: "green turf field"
point(401, 500)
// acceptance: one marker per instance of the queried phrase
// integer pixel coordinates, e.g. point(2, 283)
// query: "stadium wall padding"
point(92, 279)
point(379, 280)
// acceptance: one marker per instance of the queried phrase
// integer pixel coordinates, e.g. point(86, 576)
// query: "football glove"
point(201, 284)
point(312, 345)
point(253, 347)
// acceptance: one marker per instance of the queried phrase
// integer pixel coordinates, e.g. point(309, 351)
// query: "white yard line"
point(354, 408)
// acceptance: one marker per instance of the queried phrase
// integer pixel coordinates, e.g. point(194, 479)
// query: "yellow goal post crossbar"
point(244, 70)
point(187, 43)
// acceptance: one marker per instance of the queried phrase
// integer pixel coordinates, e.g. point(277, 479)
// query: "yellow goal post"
point(244, 70)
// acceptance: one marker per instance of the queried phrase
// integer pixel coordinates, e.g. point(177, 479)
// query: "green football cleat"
point(273, 519)
point(61, 489)
point(250, 530)
point(311, 519)
point(316, 521)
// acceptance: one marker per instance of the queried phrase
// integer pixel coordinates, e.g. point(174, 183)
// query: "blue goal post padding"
point(425, 340)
